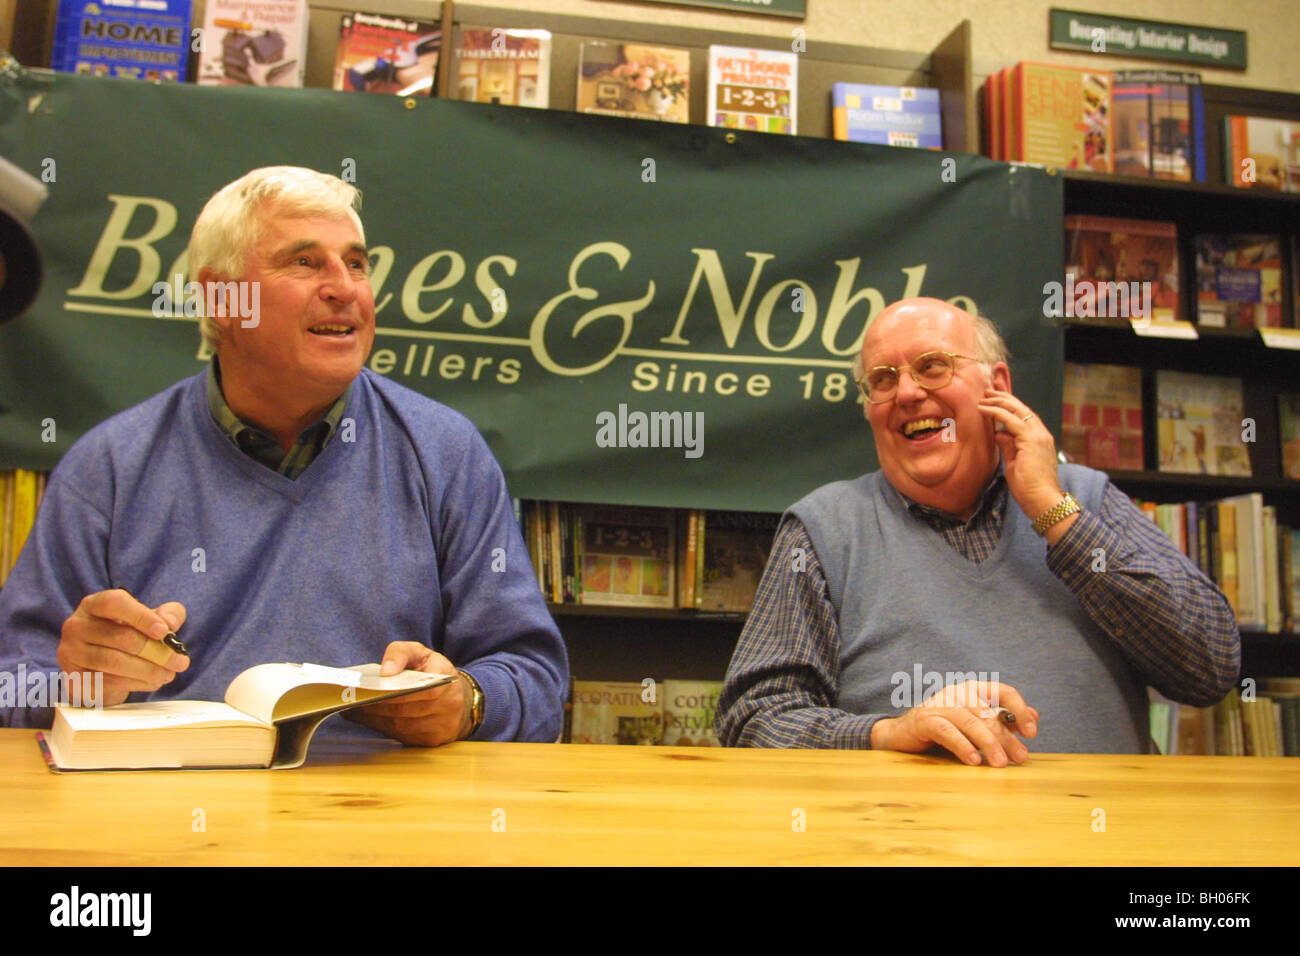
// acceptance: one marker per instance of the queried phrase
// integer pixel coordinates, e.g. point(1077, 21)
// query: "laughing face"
point(316, 321)
point(945, 467)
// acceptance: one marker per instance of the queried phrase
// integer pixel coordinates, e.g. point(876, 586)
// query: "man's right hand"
point(954, 718)
point(110, 632)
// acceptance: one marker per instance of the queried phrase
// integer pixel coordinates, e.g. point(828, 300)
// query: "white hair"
point(231, 222)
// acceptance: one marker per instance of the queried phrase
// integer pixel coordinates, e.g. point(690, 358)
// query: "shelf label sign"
point(1108, 35)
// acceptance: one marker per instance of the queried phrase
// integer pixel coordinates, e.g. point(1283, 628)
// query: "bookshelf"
point(1240, 353)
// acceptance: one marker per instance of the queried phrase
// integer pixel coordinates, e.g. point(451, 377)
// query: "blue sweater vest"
point(912, 611)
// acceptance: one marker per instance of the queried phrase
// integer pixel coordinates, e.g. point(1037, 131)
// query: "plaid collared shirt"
point(1171, 622)
point(262, 446)
point(976, 539)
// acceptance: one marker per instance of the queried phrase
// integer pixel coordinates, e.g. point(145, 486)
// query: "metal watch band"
point(1058, 512)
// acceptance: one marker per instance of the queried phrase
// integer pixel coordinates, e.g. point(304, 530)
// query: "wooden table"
point(473, 803)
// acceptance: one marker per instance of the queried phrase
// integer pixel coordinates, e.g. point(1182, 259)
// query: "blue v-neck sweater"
point(401, 529)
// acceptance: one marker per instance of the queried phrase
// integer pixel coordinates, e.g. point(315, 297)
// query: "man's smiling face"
point(926, 461)
point(316, 323)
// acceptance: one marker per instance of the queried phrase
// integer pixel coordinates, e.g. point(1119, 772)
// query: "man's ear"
point(1001, 377)
point(204, 278)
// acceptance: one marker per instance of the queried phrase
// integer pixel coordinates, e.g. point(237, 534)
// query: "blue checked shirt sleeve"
point(1172, 622)
point(781, 684)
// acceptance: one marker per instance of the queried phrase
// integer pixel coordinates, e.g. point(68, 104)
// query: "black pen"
point(170, 639)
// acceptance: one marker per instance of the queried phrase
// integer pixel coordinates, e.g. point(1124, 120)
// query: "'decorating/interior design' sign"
point(629, 311)
point(1108, 35)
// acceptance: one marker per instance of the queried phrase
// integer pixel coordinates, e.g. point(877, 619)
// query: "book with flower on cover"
point(635, 79)
point(267, 720)
point(753, 89)
point(499, 65)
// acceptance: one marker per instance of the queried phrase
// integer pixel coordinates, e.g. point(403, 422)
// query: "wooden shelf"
point(653, 613)
point(1083, 181)
point(1229, 484)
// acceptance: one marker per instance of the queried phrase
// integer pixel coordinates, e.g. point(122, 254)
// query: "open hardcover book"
point(267, 720)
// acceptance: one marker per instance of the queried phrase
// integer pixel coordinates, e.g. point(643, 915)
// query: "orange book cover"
point(1063, 116)
point(1227, 551)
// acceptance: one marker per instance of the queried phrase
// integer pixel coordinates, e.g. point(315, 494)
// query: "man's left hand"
point(428, 718)
point(1028, 452)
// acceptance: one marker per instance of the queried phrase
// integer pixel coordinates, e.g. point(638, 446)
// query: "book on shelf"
point(1101, 416)
point(1198, 424)
point(1263, 724)
point(1239, 543)
point(267, 720)
point(886, 115)
point(753, 89)
point(635, 79)
point(20, 494)
point(690, 710)
point(379, 53)
point(253, 44)
point(1239, 281)
point(1061, 116)
point(500, 65)
point(142, 41)
point(1261, 153)
point(1158, 122)
point(616, 712)
point(1288, 422)
point(625, 555)
point(733, 552)
point(1121, 268)
point(991, 111)
point(674, 713)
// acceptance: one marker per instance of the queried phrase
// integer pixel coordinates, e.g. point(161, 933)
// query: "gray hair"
point(230, 224)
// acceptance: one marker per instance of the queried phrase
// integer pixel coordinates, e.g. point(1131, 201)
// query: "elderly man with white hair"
point(927, 604)
point(288, 504)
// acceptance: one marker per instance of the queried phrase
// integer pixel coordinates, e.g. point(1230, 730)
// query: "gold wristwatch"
point(476, 702)
point(1059, 512)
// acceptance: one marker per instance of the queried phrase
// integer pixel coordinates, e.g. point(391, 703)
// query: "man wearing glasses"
point(928, 603)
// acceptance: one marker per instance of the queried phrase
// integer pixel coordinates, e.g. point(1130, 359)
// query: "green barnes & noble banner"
point(544, 272)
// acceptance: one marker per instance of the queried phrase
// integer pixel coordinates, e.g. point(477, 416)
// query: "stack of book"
point(674, 713)
point(1263, 724)
point(625, 556)
point(21, 492)
point(1239, 544)
point(1144, 123)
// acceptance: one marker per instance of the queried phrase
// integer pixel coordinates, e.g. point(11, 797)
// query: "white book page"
point(273, 692)
point(151, 714)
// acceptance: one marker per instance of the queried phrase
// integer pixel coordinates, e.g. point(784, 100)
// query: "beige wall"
point(1005, 31)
